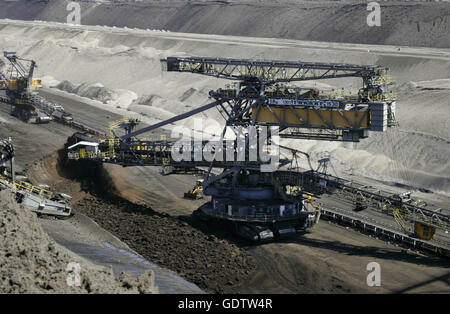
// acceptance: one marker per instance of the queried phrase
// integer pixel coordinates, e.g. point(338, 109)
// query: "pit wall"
point(404, 23)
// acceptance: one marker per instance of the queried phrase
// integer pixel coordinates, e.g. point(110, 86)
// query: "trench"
point(197, 253)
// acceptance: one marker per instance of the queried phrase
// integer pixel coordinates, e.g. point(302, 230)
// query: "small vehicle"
point(196, 192)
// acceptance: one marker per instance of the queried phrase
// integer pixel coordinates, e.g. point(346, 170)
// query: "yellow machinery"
point(18, 86)
point(424, 231)
point(312, 117)
point(15, 85)
point(39, 200)
point(420, 229)
point(126, 123)
point(196, 192)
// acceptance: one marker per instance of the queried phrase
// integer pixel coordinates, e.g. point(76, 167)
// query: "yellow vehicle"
point(196, 192)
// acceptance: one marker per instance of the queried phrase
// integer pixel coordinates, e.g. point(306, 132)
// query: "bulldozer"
point(196, 192)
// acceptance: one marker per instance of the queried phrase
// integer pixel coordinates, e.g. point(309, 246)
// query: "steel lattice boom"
point(270, 72)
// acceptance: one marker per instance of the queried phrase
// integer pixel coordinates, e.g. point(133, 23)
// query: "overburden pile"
point(32, 262)
point(214, 264)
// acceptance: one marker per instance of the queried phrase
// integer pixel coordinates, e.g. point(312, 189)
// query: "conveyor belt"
point(425, 212)
point(366, 224)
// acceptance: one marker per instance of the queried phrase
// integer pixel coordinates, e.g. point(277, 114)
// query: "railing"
point(257, 217)
point(21, 185)
point(324, 95)
point(384, 201)
point(262, 217)
point(399, 218)
point(381, 229)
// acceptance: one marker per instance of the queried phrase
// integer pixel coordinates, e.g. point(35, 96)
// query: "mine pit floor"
point(330, 258)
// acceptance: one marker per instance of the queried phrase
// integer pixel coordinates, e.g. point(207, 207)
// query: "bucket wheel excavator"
point(18, 89)
point(252, 187)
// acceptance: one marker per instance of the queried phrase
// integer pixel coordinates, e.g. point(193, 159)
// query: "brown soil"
point(213, 264)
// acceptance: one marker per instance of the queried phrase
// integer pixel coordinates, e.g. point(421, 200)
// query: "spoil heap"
point(31, 262)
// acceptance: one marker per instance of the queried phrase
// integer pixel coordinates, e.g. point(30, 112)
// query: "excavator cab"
point(196, 192)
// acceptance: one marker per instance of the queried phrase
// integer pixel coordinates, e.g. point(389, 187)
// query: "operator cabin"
point(84, 148)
